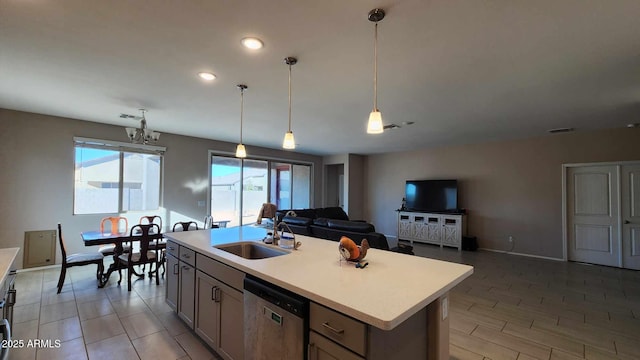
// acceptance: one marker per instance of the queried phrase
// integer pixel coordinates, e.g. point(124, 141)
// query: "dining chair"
point(156, 244)
point(209, 223)
point(151, 219)
point(78, 259)
point(114, 228)
point(144, 234)
point(184, 226)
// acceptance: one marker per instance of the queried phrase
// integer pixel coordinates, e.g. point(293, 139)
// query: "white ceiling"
point(463, 71)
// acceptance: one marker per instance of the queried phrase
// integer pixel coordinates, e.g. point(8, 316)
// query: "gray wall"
point(509, 188)
point(36, 175)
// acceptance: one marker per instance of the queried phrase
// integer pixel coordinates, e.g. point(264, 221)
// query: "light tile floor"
point(92, 323)
point(512, 307)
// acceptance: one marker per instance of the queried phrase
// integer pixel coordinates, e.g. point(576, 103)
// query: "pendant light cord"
point(241, 111)
point(289, 97)
point(375, 68)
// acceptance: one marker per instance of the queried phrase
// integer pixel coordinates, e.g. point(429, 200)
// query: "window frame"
point(121, 148)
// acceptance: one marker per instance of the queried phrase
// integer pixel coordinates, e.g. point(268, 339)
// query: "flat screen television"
point(432, 195)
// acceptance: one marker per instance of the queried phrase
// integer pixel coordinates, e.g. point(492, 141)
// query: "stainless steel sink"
point(252, 250)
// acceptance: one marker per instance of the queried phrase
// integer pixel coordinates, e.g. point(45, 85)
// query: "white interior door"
point(593, 215)
point(630, 186)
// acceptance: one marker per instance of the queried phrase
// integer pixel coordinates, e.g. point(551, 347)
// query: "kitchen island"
point(391, 290)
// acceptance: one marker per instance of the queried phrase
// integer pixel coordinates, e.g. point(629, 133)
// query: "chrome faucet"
point(295, 245)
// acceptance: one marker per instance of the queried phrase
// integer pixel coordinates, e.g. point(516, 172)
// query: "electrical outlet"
point(510, 238)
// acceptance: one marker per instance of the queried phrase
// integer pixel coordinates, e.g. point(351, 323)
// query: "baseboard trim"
point(521, 254)
point(39, 268)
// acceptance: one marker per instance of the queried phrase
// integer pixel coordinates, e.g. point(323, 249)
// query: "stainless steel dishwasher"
point(276, 324)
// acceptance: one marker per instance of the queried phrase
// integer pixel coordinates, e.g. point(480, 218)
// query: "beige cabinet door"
point(220, 316)
point(630, 196)
point(231, 305)
point(173, 272)
point(321, 348)
point(186, 303)
point(592, 215)
point(207, 321)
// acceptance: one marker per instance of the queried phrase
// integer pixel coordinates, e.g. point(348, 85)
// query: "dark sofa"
point(332, 223)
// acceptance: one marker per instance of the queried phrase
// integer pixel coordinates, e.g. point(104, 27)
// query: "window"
point(116, 177)
point(240, 187)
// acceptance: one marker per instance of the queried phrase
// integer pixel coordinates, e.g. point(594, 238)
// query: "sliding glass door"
point(290, 185)
point(254, 189)
point(225, 189)
point(240, 187)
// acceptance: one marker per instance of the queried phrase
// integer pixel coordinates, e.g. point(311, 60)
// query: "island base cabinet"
point(321, 348)
point(186, 301)
point(333, 335)
point(438, 322)
point(172, 282)
point(219, 316)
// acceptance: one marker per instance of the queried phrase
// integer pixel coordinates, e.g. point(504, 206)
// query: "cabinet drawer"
point(187, 255)
point(321, 348)
point(172, 248)
point(340, 328)
point(220, 271)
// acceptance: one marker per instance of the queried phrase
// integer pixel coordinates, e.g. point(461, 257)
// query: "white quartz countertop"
point(7, 256)
point(388, 291)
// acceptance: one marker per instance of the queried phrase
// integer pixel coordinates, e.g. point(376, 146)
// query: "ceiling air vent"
point(392, 126)
point(560, 130)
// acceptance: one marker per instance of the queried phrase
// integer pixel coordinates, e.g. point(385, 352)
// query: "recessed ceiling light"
point(207, 76)
point(252, 43)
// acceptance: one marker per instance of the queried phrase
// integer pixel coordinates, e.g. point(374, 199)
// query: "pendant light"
point(241, 152)
point(375, 118)
point(289, 143)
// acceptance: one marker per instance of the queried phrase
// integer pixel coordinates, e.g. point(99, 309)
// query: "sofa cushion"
point(300, 229)
point(321, 221)
point(354, 226)
point(334, 212)
point(297, 220)
point(308, 213)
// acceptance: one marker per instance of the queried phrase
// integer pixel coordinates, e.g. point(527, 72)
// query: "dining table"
point(97, 237)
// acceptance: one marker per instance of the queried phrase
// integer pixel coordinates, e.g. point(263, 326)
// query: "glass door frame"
point(270, 160)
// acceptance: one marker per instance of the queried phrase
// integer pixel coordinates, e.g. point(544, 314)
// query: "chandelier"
point(141, 135)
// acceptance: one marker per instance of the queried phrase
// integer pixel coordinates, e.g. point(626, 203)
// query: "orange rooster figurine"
point(352, 252)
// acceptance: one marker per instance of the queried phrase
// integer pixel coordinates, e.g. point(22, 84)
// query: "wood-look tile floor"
point(516, 307)
point(512, 307)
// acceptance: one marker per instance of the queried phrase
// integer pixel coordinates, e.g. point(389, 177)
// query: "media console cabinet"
point(432, 228)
